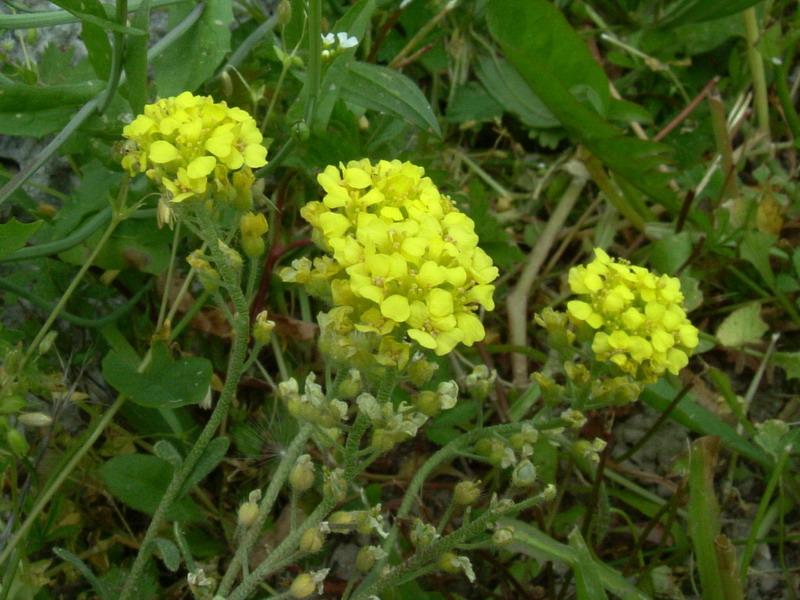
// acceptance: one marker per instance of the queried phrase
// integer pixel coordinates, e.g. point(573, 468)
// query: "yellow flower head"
point(639, 317)
point(189, 144)
point(405, 258)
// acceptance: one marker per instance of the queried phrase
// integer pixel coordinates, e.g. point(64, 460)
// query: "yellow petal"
point(255, 156)
point(162, 152)
point(201, 167)
point(396, 307)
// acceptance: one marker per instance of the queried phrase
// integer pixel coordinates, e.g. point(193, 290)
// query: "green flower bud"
point(248, 513)
point(302, 475)
point(351, 385)
point(551, 391)
point(367, 557)
point(17, 442)
point(303, 586)
point(253, 227)
point(503, 536)
point(493, 449)
point(335, 486)
point(207, 274)
point(480, 382)
point(47, 342)
point(262, 328)
point(312, 540)
point(284, 12)
point(342, 521)
point(423, 534)
point(35, 419)
point(466, 492)
point(573, 418)
point(549, 492)
point(420, 371)
point(524, 474)
point(428, 403)
point(232, 258)
point(301, 131)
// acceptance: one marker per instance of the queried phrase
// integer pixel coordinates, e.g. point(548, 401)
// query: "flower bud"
point(420, 371)
point(549, 492)
point(253, 227)
point(312, 540)
point(503, 536)
point(523, 441)
point(243, 180)
point(351, 385)
point(480, 382)
point(232, 258)
point(47, 342)
point(451, 563)
point(302, 475)
point(262, 328)
point(335, 486)
point(493, 449)
point(248, 513)
point(423, 534)
point(428, 403)
point(573, 418)
point(342, 521)
point(17, 442)
point(551, 391)
point(284, 12)
point(35, 419)
point(207, 274)
point(367, 557)
point(466, 492)
point(524, 474)
point(303, 586)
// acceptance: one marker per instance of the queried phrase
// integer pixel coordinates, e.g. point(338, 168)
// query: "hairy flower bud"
point(312, 540)
point(466, 492)
point(503, 535)
point(302, 475)
point(262, 328)
point(524, 474)
point(248, 513)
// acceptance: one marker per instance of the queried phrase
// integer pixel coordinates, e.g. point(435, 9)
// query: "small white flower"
point(198, 578)
point(346, 41)
point(328, 40)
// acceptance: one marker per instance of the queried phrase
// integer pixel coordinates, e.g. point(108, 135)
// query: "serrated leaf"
point(195, 56)
point(14, 235)
point(169, 553)
point(140, 480)
point(164, 384)
point(743, 326)
point(382, 89)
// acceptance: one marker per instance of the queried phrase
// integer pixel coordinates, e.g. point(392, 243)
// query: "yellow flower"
point(409, 258)
point(639, 317)
point(190, 144)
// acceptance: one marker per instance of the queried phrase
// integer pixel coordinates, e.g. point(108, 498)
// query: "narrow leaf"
point(169, 553)
point(211, 457)
point(83, 569)
point(382, 89)
point(20, 98)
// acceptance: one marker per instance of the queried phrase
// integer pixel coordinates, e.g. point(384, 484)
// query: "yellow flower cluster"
point(189, 144)
point(639, 317)
point(405, 261)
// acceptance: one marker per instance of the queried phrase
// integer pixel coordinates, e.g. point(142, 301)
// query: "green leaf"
point(754, 248)
point(385, 90)
point(135, 86)
point(554, 61)
point(671, 252)
point(355, 21)
point(509, 89)
point(169, 553)
point(208, 461)
point(703, 521)
point(83, 569)
point(21, 98)
point(85, 11)
point(195, 56)
point(165, 383)
point(587, 578)
point(694, 11)
point(35, 124)
point(701, 420)
point(14, 235)
point(472, 102)
point(164, 449)
point(140, 481)
point(743, 326)
point(789, 362)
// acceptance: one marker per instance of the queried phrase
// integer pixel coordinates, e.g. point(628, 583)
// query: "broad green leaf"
point(195, 56)
point(382, 89)
point(772, 436)
point(135, 86)
point(14, 235)
point(35, 124)
point(671, 252)
point(754, 248)
point(743, 326)
point(208, 461)
point(539, 42)
point(83, 569)
point(789, 362)
point(140, 480)
point(165, 383)
point(169, 553)
point(472, 102)
point(694, 11)
point(21, 98)
point(508, 89)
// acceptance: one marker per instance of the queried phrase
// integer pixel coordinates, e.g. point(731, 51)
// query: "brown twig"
point(687, 110)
